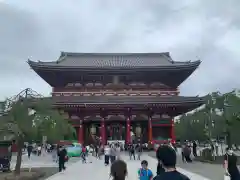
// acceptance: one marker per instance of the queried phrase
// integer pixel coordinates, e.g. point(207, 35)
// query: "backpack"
point(140, 171)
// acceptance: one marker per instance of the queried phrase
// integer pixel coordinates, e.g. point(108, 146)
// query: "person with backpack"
point(144, 173)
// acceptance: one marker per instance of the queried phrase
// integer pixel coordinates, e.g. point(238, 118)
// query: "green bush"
point(207, 154)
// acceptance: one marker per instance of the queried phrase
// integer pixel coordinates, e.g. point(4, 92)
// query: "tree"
point(228, 104)
point(220, 117)
point(189, 127)
point(28, 118)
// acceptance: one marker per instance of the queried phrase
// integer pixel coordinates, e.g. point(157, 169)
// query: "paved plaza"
point(38, 161)
point(97, 170)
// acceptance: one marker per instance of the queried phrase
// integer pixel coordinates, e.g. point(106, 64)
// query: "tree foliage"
point(31, 119)
point(218, 119)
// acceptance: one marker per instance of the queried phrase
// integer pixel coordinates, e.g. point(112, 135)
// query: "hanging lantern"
point(138, 130)
point(93, 129)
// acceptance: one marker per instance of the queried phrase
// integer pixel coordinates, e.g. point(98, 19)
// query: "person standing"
point(62, 158)
point(230, 165)
point(54, 152)
point(216, 148)
point(29, 150)
point(107, 153)
point(118, 151)
point(83, 154)
point(182, 153)
point(132, 152)
point(113, 153)
point(139, 151)
point(194, 148)
point(39, 150)
point(168, 158)
point(144, 173)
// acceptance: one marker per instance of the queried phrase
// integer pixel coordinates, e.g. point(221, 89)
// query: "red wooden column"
point(81, 133)
point(150, 129)
point(173, 137)
point(103, 131)
point(128, 138)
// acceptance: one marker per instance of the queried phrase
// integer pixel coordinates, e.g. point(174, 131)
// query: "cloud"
point(188, 29)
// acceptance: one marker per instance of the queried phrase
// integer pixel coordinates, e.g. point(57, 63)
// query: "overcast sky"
point(189, 29)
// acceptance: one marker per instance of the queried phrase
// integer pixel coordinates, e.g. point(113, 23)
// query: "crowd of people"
point(165, 154)
point(166, 167)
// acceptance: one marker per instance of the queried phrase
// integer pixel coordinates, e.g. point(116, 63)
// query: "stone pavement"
point(97, 170)
point(211, 171)
point(38, 161)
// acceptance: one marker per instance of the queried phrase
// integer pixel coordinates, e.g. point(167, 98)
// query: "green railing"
point(161, 121)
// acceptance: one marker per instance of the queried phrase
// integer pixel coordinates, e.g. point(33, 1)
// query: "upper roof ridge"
point(64, 54)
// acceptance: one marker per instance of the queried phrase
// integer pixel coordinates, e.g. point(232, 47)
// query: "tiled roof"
point(126, 99)
point(107, 60)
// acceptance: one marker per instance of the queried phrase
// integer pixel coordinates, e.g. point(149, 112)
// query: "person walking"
point(62, 158)
point(230, 165)
point(132, 152)
point(113, 153)
point(216, 148)
point(168, 158)
point(194, 148)
point(139, 151)
point(107, 153)
point(118, 170)
point(118, 151)
point(83, 154)
point(54, 152)
point(39, 150)
point(29, 150)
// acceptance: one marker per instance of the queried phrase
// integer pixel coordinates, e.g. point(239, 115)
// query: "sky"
point(208, 30)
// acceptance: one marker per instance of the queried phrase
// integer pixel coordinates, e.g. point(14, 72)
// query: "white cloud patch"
point(188, 29)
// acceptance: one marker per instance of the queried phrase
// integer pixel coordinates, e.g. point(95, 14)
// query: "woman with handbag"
point(230, 165)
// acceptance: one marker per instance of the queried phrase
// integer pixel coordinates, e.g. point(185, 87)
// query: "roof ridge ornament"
point(62, 57)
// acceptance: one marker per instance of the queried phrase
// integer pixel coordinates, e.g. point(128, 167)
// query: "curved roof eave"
point(53, 66)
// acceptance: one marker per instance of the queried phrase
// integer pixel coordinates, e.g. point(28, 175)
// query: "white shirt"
point(107, 150)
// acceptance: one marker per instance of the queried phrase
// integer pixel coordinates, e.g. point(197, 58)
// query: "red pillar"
point(150, 130)
point(173, 137)
point(103, 132)
point(80, 133)
point(128, 139)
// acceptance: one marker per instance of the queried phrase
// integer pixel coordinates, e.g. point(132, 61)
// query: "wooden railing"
point(126, 93)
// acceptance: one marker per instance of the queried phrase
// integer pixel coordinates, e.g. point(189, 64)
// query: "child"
point(144, 173)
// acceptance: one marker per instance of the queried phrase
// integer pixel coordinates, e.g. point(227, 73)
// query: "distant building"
point(110, 95)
